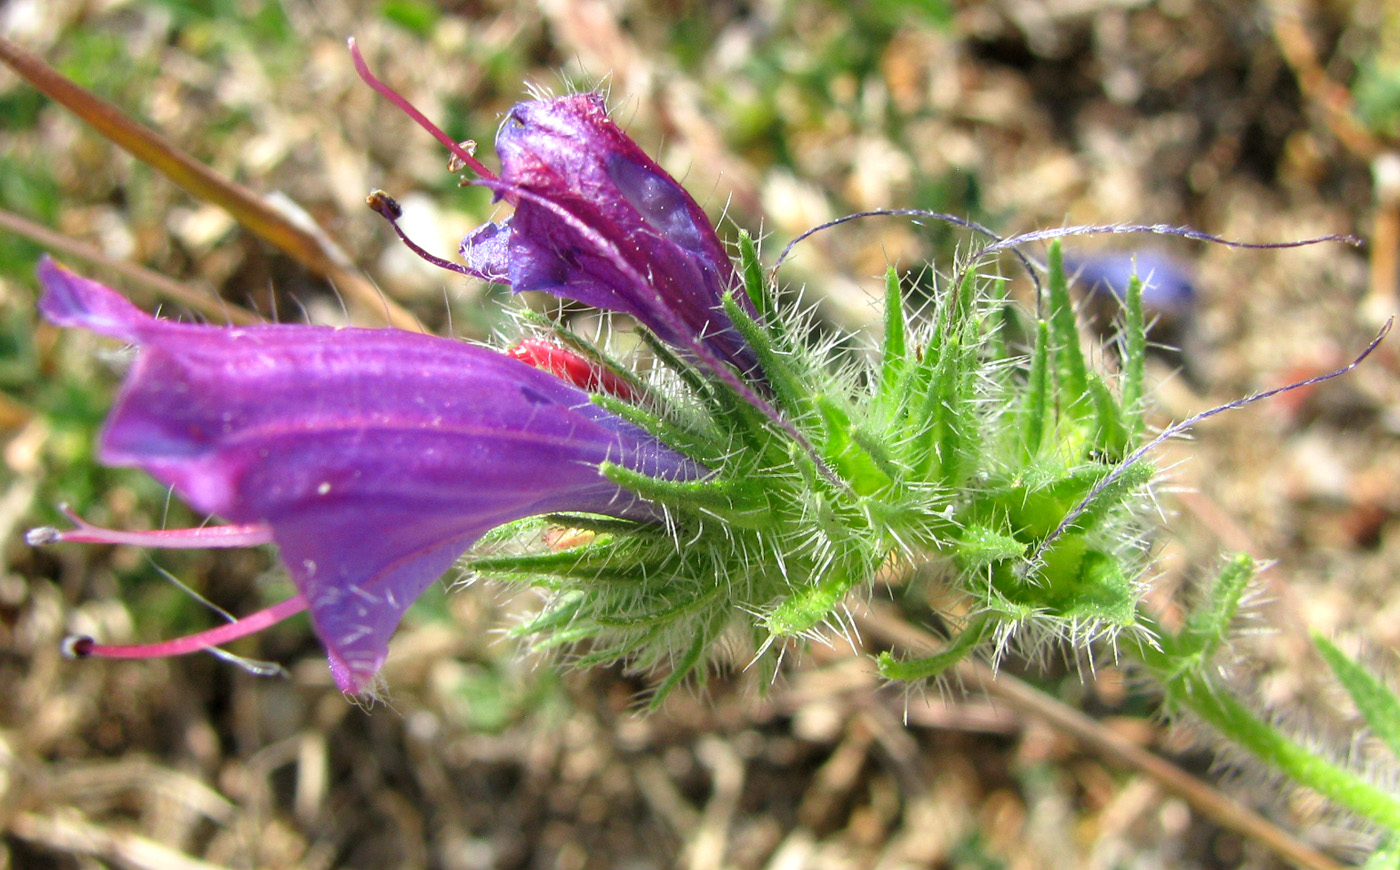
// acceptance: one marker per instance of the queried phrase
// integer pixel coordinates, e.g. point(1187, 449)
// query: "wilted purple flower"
point(598, 221)
point(373, 458)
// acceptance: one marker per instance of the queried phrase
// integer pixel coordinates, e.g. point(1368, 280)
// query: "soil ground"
point(777, 116)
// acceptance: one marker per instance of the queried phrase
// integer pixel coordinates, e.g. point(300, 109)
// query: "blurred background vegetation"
point(1259, 121)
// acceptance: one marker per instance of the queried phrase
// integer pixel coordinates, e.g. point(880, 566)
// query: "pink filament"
point(389, 93)
point(82, 647)
point(208, 537)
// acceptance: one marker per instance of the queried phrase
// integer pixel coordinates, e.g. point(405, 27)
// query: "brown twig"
point(79, 837)
point(1318, 88)
point(1207, 801)
point(1335, 102)
point(306, 245)
point(205, 303)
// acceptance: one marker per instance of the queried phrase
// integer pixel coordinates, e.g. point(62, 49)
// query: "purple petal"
point(376, 456)
point(598, 221)
point(486, 252)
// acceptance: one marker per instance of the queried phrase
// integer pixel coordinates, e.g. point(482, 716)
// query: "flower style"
point(373, 458)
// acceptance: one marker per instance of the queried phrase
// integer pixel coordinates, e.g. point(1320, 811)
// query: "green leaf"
point(414, 16)
point(1386, 856)
point(1378, 705)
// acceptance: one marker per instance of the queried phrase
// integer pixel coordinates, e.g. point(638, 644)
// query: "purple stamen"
point(388, 208)
point(422, 120)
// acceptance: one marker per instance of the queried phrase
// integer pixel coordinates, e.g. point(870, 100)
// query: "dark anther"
point(384, 204)
point(77, 646)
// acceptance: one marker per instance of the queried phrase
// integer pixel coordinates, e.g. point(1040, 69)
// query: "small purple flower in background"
point(373, 458)
point(1168, 299)
point(1167, 289)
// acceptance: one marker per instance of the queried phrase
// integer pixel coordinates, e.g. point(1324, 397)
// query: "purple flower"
point(1167, 289)
point(373, 458)
point(597, 221)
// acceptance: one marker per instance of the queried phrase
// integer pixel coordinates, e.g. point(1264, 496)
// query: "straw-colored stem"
point(305, 245)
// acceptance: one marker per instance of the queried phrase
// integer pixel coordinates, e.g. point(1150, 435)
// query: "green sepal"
point(1037, 507)
point(743, 504)
point(1071, 369)
point(979, 545)
point(844, 454)
point(1104, 592)
point(688, 664)
point(1134, 358)
point(893, 361)
point(1036, 411)
point(1040, 511)
point(1209, 624)
point(875, 449)
point(588, 349)
point(806, 608)
point(1111, 435)
point(695, 444)
point(731, 410)
point(946, 417)
point(603, 561)
point(655, 620)
point(556, 617)
point(754, 284)
point(786, 384)
point(928, 667)
point(603, 525)
point(688, 373)
point(1114, 495)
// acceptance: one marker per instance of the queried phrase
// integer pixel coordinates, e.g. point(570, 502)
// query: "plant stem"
point(1188, 687)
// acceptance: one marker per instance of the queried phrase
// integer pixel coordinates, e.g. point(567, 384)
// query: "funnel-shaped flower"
point(598, 221)
point(372, 458)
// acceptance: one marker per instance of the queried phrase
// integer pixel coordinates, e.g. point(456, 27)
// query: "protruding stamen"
point(204, 538)
point(389, 93)
point(388, 208)
point(86, 647)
